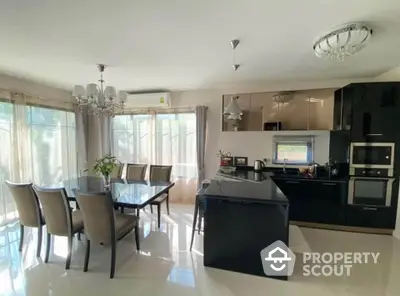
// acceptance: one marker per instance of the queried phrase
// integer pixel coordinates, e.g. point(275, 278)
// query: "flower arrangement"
point(225, 158)
point(221, 154)
point(104, 166)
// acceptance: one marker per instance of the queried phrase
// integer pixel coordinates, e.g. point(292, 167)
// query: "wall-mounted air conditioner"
point(149, 100)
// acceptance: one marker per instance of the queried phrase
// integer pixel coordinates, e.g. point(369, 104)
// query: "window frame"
point(157, 143)
point(306, 141)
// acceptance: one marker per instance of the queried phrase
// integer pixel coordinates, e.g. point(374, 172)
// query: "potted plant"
point(224, 157)
point(104, 166)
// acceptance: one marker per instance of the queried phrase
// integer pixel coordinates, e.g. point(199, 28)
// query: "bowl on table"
point(227, 169)
point(304, 170)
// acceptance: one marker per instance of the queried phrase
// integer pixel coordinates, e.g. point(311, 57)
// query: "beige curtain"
point(164, 139)
point(201, 128)
point(38, 145)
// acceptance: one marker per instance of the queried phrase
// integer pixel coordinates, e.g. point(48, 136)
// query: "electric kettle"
point(258, 165)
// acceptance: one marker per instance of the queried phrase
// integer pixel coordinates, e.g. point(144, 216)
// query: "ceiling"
point(180, 44)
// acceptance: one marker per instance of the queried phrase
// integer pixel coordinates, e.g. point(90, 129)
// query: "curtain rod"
point(17, 93)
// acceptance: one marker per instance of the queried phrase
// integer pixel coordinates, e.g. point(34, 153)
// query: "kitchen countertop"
point(257, 177)
point(244, 188)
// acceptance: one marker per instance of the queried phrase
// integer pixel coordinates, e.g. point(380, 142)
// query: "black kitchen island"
point(241, 218)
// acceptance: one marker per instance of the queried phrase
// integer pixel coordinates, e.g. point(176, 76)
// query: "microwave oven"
point(370, 155)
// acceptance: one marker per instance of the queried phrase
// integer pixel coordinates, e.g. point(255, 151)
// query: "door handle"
point(292, 182)
point(372, 135)
point(329, 184)
point(370, 209)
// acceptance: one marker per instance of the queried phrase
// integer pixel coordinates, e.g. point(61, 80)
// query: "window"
point(38, 146)
point(52, 137)
point(293, 150)
point(164, 139)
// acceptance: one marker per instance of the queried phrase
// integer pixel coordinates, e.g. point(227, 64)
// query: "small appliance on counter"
point(272, 126)
point(258, 165)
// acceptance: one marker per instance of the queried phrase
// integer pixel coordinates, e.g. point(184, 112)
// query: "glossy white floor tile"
point(165, 266)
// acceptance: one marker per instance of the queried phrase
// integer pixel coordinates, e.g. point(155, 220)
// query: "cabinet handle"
point(374, 134)
point(292, 182)
point(330, 184)
point(370, 209)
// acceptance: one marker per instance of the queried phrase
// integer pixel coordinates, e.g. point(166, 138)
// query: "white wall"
point(50, 95)
point(393, 75)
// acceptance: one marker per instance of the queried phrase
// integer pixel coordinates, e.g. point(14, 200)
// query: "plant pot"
point(107, 181)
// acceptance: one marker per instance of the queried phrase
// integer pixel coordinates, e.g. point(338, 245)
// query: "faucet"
point(285, 160)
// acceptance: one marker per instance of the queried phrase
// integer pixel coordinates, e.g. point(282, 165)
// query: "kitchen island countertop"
point(265, 191)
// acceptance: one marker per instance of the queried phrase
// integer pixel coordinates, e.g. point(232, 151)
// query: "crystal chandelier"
point(100, 100)
point(343, 42)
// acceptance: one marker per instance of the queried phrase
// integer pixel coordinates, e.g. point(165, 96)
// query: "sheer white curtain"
point(164, 139)
point(38, 145)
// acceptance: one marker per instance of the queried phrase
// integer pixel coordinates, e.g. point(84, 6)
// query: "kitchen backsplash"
point(259, 145)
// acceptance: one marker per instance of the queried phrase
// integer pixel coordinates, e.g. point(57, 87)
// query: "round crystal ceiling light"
point(344, 41)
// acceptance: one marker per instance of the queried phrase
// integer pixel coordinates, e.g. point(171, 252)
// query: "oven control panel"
point(369, 172)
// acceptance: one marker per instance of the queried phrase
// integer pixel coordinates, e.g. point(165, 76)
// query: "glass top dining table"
point(125, 193)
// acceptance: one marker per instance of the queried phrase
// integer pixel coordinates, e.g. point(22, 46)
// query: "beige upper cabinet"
point(297, 110)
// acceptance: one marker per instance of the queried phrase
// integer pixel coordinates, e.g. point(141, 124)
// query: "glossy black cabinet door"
point(314, 201)
point(388, 118)
point(328, 199)
point(376, 111)
point(339, 143)
point(360, 113)
point(347, 108)
point(321, 202)
point(292, 191)
point(367, 216)
point(342, 109)
point(337, 110)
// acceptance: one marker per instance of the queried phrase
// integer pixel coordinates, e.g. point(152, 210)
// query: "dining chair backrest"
point(98, 216)
point(117, 172)
point(160, 173)
point(136, 171)
point(27, 204)
point(56, 210)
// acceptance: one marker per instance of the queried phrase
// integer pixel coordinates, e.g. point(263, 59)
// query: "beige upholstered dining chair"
point(60, 219)
point(117, 172)
point(160, 173)
point(136, 171)
point(29, 211)
point(102, 225)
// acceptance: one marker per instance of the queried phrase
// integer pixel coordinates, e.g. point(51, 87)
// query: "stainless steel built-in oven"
point(371, 156)
point(370, 191)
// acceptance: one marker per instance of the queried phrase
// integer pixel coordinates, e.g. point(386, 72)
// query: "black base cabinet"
point(314, 201)
point(373, 217)
point(236, 232)
point(325, 202)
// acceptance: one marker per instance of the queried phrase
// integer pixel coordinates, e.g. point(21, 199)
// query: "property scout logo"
point(279, 260)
